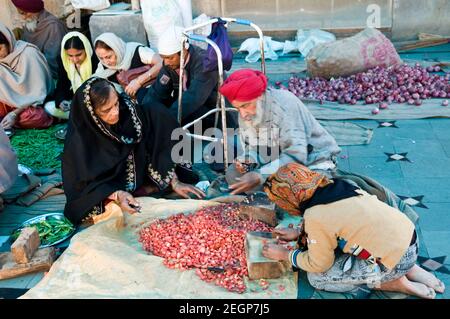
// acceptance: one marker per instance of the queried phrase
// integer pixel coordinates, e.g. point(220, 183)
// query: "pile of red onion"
point(211, 240)
point(395, 84)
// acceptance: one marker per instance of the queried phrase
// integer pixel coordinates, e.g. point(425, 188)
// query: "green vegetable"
point(38, 148)
point(50, 230)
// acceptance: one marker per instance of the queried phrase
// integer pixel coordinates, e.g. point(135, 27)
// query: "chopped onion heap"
point(211, 240)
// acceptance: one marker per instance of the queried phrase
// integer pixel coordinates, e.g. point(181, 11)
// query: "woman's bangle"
point(293, 257)
point(290, 256)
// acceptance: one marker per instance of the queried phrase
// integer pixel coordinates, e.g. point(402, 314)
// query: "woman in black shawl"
point(115, 148)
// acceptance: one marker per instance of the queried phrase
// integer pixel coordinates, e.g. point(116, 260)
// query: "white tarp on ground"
point(107, 261)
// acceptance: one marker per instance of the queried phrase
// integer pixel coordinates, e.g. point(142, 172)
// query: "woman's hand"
point(184, 190)
point(126, 201)
point(275, 252)
point(133, 87)
point(286, 234)
point(9, 120)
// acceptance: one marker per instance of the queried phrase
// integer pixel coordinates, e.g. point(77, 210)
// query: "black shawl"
point(100, 159)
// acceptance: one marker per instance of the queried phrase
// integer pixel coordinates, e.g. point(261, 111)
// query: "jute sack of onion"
point(365, 50)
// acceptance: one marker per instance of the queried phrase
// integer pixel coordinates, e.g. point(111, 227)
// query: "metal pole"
point(243, 22)
point(180, 89)
point(201, 25)
point(185, 127)
point(261, 47)
point(222, 100)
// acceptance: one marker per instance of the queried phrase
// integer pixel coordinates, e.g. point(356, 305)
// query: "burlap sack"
point(365, 50)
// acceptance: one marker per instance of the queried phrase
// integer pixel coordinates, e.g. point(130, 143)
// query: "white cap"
point(170, 41)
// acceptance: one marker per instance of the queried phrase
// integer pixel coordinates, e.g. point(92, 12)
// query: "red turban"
point(244, 85)
point(32, 6)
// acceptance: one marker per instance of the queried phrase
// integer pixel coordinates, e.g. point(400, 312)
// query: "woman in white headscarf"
point(25, 82)
point(115, 56)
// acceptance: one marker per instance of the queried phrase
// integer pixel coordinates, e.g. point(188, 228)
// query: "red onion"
point(212, 237)
point(375, 111)
point(396, 84)
point(445, 103)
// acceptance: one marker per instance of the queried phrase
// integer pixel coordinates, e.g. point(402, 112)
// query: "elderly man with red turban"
point(42, 29)
point(275, 129)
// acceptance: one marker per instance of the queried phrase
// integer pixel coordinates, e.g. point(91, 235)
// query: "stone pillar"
point(128, 27)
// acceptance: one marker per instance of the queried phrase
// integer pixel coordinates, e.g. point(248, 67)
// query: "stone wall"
point(407, 18)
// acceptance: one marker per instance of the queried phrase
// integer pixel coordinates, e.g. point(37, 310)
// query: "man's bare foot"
point(419, 274)
point(405, 286)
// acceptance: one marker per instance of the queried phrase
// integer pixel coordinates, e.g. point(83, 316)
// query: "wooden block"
point(259, 266)
point(266, 214)
point(25, 245)
point(41, 261)
point(258, 206)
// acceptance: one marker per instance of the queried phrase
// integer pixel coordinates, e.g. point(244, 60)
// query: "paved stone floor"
point(412, 158)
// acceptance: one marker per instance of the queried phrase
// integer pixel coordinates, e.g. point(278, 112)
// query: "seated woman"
point(75, 67)
point(25, 82)
point(115, 55)
point(115, 149)
point(378, 244)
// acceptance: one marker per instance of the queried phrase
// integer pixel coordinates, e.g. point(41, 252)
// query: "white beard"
point(257, 118)
point(31, 25)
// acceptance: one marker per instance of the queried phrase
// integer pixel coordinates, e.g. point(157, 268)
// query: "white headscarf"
point(124, 54)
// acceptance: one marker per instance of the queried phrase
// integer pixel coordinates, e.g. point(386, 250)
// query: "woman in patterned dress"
point(349, 241)
point(116, 150)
